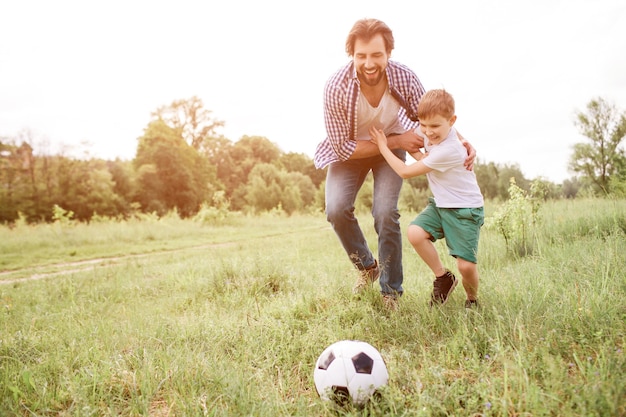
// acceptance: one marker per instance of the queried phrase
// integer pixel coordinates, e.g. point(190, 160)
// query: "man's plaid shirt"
point(340, 109)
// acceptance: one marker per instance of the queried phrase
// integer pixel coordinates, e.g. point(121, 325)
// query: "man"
point(370, 91)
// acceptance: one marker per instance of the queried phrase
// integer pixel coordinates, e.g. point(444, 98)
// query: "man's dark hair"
point(366, 29)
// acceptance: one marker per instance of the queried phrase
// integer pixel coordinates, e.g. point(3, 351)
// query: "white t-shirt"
point(452, 185)
point(384, 117)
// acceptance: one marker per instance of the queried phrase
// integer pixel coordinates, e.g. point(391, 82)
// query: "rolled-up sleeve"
point(339, 118)
point(336, 118)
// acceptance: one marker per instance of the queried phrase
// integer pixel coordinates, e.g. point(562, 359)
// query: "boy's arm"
point(397, 164)
point(409, 141)
point(418, 156)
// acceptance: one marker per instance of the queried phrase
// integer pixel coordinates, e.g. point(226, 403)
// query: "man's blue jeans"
point(343, 182)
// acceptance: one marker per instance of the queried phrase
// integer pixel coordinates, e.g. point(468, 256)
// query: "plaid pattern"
point(340, 109)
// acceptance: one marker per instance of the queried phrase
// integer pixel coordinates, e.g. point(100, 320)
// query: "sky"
point(82, 78)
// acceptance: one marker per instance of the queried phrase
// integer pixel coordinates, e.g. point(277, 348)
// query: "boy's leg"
point(420, 240)
point(469, 273)
point(462, 232)
point(445, 281)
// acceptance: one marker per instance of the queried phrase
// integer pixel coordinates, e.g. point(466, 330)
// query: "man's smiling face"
point(370, 60)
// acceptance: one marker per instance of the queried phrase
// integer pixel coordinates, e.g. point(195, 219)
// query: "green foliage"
point(603, 157)
point(320, 198)
point(190, 120)
point(571, 187)
point(181, 162)
point(62, 216)
point(16, 186)
point(414, 195)
point(269, 187)
point(299, 162)
point(172, 174)
point(216, 213)
point(517, 219)
point(365, 197)
point(494, 179)
point(617, 185)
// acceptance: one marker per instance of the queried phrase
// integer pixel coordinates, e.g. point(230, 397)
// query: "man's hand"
point(409, 141)
point(471, 155)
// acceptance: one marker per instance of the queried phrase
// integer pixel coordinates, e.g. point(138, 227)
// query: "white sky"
point(84, 76)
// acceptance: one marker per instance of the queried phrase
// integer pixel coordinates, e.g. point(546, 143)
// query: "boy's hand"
point(378, 137)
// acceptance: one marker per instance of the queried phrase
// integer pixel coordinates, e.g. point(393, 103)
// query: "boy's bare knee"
point(416, 234)
point(466, 268)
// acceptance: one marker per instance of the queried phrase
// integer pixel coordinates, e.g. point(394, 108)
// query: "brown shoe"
point(390, 302)
point(442, 288)
point(366, 278)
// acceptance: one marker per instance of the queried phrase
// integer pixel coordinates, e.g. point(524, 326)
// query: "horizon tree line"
point(182, 163)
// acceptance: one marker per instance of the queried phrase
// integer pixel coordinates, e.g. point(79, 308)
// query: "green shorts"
point(459, 226)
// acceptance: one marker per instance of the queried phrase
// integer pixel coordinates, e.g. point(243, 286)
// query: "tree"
point(243, 156)
point(84, 187)
point(299, 162)
point(10, 168)
point(123, 176)
point(571, 187)
point(264, 190)
point(494, 179)
point(270, 187)
point(171, 173)
point(487, 177)
point(299, 192)
point(603, 157)
point(22, 180)
point(414, 194)
point(190, 120)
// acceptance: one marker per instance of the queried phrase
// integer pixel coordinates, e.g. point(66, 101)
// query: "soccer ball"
point(349, 371)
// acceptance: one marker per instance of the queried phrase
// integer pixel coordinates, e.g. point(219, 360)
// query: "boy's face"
point(370, 60)
point(436, 128)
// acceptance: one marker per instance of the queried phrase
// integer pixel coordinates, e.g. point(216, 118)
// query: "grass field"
point(167, 317)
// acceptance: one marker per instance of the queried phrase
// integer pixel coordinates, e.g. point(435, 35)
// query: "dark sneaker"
point(366, 278)
point(442, 288)
point(471, 303)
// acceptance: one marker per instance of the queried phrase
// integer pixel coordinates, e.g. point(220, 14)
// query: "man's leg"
point(343, 181)
point(387, 186)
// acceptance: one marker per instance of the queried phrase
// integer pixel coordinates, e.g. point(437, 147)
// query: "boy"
point(456, 211)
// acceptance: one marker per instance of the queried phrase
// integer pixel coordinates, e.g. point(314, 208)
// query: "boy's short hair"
point(436, 103)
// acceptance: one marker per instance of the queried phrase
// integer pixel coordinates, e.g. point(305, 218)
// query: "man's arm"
point(409, 141)
point(471, 152)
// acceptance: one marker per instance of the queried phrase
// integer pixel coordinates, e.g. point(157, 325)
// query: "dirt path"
point(66, 268)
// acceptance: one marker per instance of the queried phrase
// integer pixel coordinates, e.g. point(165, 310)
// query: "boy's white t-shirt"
point(452, 185)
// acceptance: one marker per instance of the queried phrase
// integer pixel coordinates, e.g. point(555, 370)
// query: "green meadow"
point(172, 317)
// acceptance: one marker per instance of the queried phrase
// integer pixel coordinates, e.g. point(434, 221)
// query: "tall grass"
point(228, 321)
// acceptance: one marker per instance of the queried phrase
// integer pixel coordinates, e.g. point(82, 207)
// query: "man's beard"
point(372, 81)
